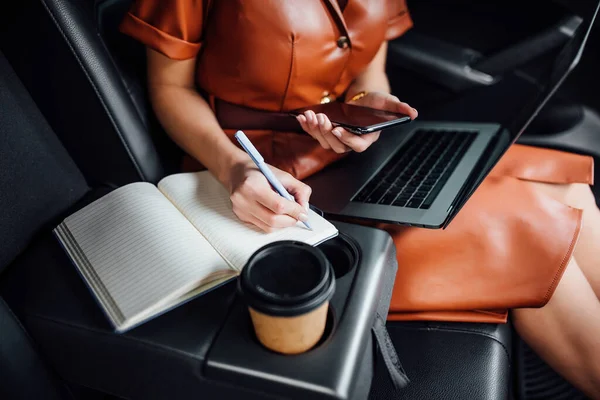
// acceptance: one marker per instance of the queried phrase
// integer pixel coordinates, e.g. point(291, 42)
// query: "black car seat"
point(435, 62)
point(99, 115)
point(38, 182)
point(88, 80)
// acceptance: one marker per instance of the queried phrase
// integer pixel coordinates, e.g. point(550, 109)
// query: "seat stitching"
point(458, 330)
point(94, 87)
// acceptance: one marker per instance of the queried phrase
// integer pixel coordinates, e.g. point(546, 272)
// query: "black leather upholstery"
point(38, 180)
point(22, 374)
point(449, 361)
point(64, 63)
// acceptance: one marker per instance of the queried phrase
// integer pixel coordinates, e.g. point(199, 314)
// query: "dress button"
point(343, 42)
point(327, 97)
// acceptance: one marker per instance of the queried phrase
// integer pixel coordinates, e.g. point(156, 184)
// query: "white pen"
point(264, 168)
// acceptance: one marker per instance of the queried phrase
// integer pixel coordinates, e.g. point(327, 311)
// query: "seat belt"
point(388, 352)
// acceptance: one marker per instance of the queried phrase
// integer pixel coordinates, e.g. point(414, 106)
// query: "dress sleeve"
point(399, 20)
point(171, 27)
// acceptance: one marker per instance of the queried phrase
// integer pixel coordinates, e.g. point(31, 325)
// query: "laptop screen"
point(521, 104)
point(548, 81)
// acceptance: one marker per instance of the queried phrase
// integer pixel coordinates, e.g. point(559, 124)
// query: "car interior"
point(76, 123)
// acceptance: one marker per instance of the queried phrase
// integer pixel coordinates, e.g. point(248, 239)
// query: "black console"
point(206, 346)
point(331, 369)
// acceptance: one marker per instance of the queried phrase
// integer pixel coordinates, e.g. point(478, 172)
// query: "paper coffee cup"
point(287, 286)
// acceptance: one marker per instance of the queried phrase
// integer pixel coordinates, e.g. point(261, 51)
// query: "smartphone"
point(356, 119)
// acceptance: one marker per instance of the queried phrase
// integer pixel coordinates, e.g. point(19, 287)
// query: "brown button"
point(343, 42)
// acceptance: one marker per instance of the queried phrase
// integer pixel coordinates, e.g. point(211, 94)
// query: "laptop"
point(422, 173)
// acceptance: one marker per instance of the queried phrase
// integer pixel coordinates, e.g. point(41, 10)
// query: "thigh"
point(577, 195)
point(566, 332)
point(587, 250)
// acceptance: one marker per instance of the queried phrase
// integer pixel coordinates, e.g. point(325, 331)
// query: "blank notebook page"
point(142, 248)
point(205, 202)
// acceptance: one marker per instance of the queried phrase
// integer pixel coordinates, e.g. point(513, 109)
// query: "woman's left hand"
point(340, 140)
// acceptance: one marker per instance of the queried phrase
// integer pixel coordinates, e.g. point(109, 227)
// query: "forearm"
point(373, 78)
point(190, 122)
point(186, 116)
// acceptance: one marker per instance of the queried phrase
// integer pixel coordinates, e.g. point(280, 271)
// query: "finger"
point(395, 105)
point(312, 120)
point(251, 211)
point(302, 121)
point(300, 190)
point(315, 132)
point(356, 142)
point(240, 207)
point(280, 205)
point(325, 128)
point(404, 108)
point(255, 213)
point(304, 124)
point(272, 220)
point(259, 224)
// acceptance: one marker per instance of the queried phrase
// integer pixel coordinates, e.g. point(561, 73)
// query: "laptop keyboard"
point(416, 174)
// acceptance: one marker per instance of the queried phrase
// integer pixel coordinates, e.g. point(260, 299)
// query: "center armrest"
point(332, 369)
point(178, 353)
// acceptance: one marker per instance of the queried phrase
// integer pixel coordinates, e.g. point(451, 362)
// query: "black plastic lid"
point(287, 278)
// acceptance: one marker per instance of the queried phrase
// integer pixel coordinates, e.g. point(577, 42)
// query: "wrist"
point(356, 96)
point(232, 161)
point(374, 82)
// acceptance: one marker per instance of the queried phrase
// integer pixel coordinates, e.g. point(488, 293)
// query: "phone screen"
point(358, 118)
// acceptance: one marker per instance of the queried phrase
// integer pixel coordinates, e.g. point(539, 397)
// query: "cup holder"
point(341, 253)
point(329, 325)
point(327, 332)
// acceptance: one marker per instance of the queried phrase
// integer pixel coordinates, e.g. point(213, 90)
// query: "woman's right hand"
point(255, 202)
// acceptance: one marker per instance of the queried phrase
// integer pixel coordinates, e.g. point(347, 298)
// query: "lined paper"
point(205, 203)
point(142, 248)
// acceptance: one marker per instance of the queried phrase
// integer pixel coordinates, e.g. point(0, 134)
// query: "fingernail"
point(303, 217)
point(336, 133)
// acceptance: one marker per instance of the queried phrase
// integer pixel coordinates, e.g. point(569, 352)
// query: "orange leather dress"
point(509, 245)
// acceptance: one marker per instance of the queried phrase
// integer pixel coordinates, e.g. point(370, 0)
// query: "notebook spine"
point(82, 264)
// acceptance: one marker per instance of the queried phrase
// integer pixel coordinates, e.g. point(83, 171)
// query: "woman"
point(211, 57)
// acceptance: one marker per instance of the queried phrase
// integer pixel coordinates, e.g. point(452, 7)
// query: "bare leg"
point(587, 251)
point(566, 332)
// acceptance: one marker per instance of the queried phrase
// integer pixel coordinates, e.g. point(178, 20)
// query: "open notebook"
point(143, 250)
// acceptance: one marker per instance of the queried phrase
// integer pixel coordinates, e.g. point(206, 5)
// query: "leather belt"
point(233, 116)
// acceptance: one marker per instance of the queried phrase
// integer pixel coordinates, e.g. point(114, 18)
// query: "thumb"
point(396, 105)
